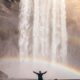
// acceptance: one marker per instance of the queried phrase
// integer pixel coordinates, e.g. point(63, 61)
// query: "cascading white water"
point(60, 37)
point(25, 26)
point(43, 32)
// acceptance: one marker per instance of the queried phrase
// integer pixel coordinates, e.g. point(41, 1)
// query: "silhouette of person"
point(40, 74)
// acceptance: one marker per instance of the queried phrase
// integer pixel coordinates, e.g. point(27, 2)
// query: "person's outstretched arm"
point(44, 72)
point(35, 72)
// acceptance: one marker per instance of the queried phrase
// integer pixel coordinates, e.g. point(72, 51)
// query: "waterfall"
point(41, 29)
point(59, 33)
point(43, 32)
point(25, 28)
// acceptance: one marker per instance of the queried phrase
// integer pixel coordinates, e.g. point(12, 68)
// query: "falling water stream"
point(43, 32)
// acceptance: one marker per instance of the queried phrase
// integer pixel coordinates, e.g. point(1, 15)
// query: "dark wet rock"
point(3, 75)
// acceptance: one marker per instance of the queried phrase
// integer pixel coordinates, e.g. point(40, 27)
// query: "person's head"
point(39, 71)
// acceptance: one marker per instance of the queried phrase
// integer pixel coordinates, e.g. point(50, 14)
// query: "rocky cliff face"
point(8, 28)
point(73, 24)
